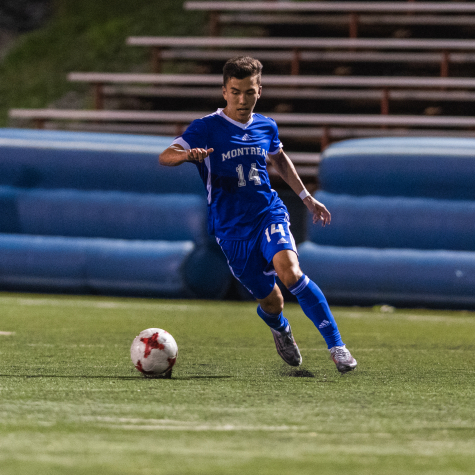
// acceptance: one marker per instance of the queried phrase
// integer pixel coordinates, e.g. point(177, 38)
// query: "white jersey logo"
point(238, 152)
point(246, 137)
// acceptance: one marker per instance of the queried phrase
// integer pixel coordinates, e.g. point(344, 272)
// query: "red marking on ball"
point(151, 344)
point(140, 368)
point(171, 362)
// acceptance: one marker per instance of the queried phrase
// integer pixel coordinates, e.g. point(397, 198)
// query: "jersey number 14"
point(253, 175)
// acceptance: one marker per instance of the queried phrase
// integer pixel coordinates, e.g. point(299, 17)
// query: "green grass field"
point(72, 402)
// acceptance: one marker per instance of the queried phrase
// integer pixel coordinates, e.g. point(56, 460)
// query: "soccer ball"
point(154, 352)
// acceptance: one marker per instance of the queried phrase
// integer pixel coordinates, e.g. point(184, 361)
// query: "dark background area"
point(23, 15)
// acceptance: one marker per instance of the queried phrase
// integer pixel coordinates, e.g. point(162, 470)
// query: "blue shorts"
point(250, 261)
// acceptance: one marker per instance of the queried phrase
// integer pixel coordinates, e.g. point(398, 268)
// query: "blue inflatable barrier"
point(396, 222)
point(8, 210)
point(171, 217)
point(99, 265)
point(402, 166)
point(38, 263)
point(91, 161)
point(139, 268)
point(365, 276)
point(112, 266)
point(95, 213)
point(207, 273)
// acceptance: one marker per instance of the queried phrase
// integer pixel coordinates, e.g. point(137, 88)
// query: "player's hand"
point(319, 211)
point(198, 154)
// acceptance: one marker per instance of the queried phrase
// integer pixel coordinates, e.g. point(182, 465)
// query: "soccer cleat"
point(343, 359)
point(286, 347)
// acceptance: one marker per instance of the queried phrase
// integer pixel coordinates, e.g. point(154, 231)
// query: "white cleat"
point(343, 359)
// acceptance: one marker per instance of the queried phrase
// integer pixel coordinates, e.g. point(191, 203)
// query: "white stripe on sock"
point(301, 286)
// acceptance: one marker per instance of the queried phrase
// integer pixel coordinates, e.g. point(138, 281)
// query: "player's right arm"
point(176, 155)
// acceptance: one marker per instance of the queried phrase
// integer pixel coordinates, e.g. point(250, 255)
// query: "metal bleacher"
point(319, 89)
point(350, 15)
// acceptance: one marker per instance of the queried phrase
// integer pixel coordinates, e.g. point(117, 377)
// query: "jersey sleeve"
point(275, 144)
point(195, 136)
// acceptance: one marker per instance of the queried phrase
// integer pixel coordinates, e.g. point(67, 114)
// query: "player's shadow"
point(301, 373)
point(298, 373)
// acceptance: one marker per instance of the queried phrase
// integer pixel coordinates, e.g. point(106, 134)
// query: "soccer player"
point(247, 217)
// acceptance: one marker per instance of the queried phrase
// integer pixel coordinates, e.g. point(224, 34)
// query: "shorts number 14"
point(275, 229)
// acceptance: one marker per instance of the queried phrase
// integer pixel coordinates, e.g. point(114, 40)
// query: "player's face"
point(241, 96)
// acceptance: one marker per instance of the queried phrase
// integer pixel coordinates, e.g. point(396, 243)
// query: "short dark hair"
point(241, 67)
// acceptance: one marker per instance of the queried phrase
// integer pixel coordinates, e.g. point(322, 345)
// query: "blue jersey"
point(240, 197)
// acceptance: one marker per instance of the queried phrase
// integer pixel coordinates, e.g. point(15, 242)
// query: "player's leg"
point(249, 267)
point(309, 296)
point(314, 305)
point(270, 310)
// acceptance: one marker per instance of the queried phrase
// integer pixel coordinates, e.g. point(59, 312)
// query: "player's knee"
point(274, 307)
point(287, 266)
point(290, 275)
point(274, 303)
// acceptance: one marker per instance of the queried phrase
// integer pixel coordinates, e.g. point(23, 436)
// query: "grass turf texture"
point(71, 401)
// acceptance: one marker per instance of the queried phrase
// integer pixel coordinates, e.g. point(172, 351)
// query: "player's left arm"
point(285, 168)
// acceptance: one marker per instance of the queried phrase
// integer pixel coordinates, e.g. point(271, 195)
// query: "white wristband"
point(304, 193)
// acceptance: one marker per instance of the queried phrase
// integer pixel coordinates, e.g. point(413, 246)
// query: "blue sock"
point(315, 306)
point(276, 321)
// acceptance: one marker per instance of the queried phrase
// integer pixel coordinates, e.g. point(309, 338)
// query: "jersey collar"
point(235, 122)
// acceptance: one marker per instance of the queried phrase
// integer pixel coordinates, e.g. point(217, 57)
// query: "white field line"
point(51, 302)
point(407, 316)
point(7, 333)
point(170, 306)
point(175, 425)
point(205, 428)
